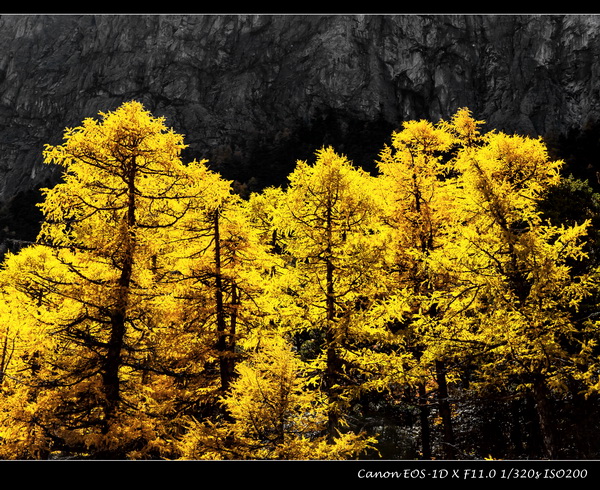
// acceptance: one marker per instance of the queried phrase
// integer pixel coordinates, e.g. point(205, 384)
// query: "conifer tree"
point(419, 189)
point(25, 344)
point(274, 413)
point(221, 269)
point(519, 265)
point(327, 228)
point(108, 228)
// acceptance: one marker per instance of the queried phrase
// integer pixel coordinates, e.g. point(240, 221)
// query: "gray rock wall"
point(255, 92)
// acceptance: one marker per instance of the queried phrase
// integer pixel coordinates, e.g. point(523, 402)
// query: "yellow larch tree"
point(24, 301)
point(419, 188)
point(109, 225)
point(220, 270)
point(488, 283)
point(327, 230)
point(518, 266)
point(274, 412)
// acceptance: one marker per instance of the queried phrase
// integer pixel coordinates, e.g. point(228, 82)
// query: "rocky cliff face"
point(253, 93)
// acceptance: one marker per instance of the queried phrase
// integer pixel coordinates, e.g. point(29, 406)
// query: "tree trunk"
point(333, 361)
point(110, 378)
point(332, 358)
point(424, 418)
point(113, 360)
point(516, 430)
point(6, 356)
point(233, 316)
point(445, 412)
point(540, 396)
point(223, 347)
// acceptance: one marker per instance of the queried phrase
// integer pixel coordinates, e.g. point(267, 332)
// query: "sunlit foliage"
point(161, 315)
